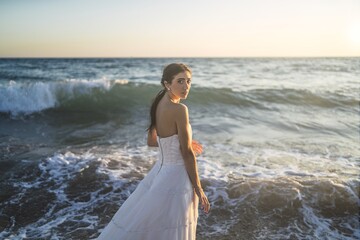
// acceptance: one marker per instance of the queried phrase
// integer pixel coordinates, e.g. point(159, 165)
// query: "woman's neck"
point(172, 98)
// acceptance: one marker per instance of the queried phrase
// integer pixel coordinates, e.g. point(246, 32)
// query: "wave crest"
point(118, 95)
point(27, 98)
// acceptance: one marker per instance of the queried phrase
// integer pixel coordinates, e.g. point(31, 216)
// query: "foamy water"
point(27, 97)
point(80, 185)
point(280, 137)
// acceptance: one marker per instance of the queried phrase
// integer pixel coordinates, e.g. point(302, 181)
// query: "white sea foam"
point(26, 98)
point(59, 170)
point(227, 187)
point(281, 153)
point(271, 162)
point(244, 178)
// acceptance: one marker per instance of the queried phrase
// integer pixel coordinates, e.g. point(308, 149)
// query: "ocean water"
point(280, 137)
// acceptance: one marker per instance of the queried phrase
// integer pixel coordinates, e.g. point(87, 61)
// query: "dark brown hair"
point(168, 75)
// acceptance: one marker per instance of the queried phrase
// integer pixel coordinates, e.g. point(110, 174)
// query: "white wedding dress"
point(164, 205)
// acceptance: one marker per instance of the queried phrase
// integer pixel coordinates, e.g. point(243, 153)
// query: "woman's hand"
point(196, 146)
point(205, 205)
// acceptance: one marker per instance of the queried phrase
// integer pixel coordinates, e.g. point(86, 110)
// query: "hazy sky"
point(166, 28)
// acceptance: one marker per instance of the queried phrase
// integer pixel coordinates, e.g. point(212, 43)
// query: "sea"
point(281, 155)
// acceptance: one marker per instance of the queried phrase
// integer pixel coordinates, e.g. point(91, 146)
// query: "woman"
point(164, 206)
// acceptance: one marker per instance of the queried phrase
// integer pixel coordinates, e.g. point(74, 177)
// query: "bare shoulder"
point(181, 116)
point(182, 124)
point(181, 110)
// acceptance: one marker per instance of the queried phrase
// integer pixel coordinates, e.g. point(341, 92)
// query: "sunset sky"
point(197, 28)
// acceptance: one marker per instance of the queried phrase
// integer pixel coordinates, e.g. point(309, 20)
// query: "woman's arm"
point(151, 141)
point(185, 138)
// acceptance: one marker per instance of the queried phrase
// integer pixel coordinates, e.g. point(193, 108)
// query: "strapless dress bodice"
point(169, 150)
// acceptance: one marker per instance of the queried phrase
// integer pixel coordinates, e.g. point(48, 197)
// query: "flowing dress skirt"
point(164, 206)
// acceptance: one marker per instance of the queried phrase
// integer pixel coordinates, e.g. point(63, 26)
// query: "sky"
point(167, 28)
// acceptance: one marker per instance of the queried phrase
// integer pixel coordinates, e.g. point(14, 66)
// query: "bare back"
point(165, 118)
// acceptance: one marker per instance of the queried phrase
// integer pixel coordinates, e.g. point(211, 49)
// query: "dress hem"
point(148, 230)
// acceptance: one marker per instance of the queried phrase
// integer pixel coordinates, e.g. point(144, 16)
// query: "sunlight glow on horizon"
point(203, 28)
point(354, 34)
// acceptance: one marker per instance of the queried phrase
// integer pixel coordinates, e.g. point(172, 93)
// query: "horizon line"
point(92, 57)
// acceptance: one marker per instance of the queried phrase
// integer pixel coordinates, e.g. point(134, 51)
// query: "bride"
point(164, 206)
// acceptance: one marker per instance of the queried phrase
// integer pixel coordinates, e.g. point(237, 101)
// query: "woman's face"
point(181, 84)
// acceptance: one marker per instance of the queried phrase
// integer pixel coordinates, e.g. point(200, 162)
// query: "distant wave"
point(108, 95)
point(27, 98)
